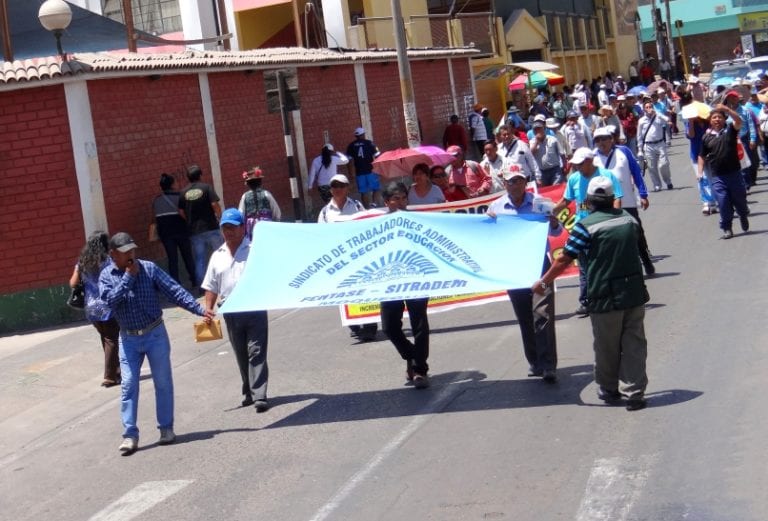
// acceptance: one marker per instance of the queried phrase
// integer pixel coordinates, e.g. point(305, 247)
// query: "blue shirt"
point(133, 299)
point(576, 190)
point(96, 310)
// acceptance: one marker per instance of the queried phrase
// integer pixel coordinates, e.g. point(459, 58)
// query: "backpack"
point(257, 208)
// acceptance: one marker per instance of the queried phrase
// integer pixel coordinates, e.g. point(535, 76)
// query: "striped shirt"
point(134, 300)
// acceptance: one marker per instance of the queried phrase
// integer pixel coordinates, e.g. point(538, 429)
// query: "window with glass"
point(565, 24)
point(152, 16)
point(578, 38)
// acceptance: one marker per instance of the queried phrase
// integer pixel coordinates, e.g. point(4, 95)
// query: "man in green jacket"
point(616, 294)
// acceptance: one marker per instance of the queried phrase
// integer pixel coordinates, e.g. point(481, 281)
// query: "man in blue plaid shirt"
point(129, 286)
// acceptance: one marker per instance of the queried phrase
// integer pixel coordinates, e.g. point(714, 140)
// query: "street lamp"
point(55, 15)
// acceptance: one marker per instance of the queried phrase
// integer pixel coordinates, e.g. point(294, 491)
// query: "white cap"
point(603, 86)
point(552, 123)
point(600, 185)
point(359, 131)
point(621, 97)
point(513, 171)
point(581, 155)
point(339, 178)
point(660, 90)
point(606, 131)
point(329, 147)
point(540, 117)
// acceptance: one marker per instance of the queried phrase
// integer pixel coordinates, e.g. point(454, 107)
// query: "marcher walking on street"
point(93, 258)
point(616, 296)
point(130, 288)
point(249, 330)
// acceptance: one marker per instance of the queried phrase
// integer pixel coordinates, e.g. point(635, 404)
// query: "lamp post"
point(55, 16)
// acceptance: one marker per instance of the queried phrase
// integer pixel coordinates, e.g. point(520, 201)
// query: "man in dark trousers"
point(616, 294)
point(248, 331)
point(199, 205)
point(414, 353)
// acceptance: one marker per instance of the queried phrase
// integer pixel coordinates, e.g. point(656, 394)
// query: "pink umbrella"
point(400, 162)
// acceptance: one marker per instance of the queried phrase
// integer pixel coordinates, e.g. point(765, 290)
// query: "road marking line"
point(140, 499)
point(613, 487)
point(443, 397)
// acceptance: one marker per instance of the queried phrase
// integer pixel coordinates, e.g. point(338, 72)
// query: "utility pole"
point(657, 30)
point(406, 82)
point(671, 43)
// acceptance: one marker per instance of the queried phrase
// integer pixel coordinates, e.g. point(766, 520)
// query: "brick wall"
point(710, 47)
point(41, 224)
point(248, 136)
point(143, 128)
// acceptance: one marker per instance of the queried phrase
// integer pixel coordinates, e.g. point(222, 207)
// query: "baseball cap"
point(231, 216)
point(731, 93)
point(454, 150)
point(621, 97)
point(513, 109)
point(619, 77)
point(552, 123)
point(606, 131)
point(513, 171)
point(122, 242)
point(572, 114)
point(540, 117)
point(538, 124)
point(359, 131)
point(339, 178)
point(603, 86)
point(600, 185)
point(477, 107)
point(660, 90)
point(581, 155)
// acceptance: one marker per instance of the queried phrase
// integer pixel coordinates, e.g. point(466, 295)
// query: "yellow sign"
point(753, 22)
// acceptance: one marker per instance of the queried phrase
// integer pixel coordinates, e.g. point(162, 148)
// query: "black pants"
point(109, 331)
point(416, 352)
point(536, 316)
point(642, 243)
point(174, 244)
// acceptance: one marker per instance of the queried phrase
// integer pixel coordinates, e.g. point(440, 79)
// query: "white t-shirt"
point(618, 164)
point(224, 270)
point(323, 174)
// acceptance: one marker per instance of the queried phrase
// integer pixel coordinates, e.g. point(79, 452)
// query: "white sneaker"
point(166, 437)
point(129, 446)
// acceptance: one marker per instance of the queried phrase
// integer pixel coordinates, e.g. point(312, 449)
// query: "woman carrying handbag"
point(93, 257)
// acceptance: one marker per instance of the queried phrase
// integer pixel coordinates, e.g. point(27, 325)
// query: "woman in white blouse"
point(323, 168)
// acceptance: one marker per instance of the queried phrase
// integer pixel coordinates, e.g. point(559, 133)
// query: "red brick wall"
point(41, 224)
point(710, 47)
point(434, 103)
point(248, 136)
point(143, 128)
point(385, 105)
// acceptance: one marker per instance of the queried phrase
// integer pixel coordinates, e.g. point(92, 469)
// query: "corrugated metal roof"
point(54, 68)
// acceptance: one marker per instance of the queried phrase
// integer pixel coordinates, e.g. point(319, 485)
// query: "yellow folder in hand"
point(205, 332)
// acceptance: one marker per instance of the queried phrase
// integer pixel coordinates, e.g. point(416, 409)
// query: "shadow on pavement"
point(472, 392)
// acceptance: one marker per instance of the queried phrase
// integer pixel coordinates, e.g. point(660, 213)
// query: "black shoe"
point(549, 376)
point(248, 401)
point(582, 311)
point(532, 371)
point(669, 186)
point(609, 397)
point(635, 404)
point(261, 405)
point(727, 234)
point(744, 223)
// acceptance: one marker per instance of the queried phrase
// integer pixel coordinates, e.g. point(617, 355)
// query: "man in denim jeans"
point(129, 286)
point(199, 205)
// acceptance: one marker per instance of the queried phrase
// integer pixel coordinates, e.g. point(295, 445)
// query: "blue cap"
point(572, 114)
point(232, 216)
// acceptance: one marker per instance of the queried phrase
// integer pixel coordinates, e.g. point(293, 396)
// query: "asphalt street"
point(346, 439)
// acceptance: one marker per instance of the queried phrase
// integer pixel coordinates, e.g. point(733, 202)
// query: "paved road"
point(346, 440)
